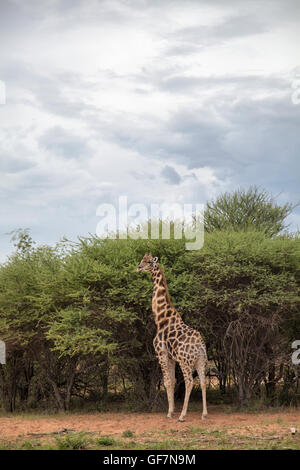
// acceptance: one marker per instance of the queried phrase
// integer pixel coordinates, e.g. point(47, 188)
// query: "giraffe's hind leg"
point(188, 379)
point(200, 366)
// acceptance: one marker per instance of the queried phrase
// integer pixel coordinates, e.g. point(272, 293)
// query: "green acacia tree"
point(81, 314)
point(251, 209)
point(248, 292)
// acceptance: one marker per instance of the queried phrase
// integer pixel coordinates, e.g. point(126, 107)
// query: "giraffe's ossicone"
point(174, 341)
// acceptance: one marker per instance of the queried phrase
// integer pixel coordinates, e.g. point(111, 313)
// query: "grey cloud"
point(267, 141)
point(170, 175)
point(247, 19)
point(174, 79)
point(190, 137)
point(64, 143)
point(249, 141)
point(242, 139)
point(48, 90)
point(15, 154)
point(11, 164)
point(251, 16)
point(273, 11)
point(13, 15)
point(235, 26)
point(200, 138)
point(183, 84)
point(182, 49)
point(145, 176)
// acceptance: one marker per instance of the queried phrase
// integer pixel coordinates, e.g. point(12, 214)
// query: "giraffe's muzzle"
point(141, 268)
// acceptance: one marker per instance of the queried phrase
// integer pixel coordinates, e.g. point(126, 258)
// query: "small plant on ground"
point(105, 441)
point(28, 445)
point(77, 441)
point(128, 433)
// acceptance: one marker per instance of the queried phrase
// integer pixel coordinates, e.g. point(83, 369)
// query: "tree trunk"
point(244, 393)
point(8, 377)
point(57, 394)
point(104, 378)
point(69, 389)
point(270, 384)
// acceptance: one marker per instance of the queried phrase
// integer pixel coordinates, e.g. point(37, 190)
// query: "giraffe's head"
point(147, 263)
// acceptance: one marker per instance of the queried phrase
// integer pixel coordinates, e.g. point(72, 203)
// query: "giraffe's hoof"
point(181, 420)
point(169, 416)
point(204, 417)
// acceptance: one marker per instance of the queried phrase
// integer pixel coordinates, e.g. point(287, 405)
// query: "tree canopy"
point(77, 320)
point(247, 210)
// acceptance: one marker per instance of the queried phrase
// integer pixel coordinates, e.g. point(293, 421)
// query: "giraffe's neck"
point(162, 307)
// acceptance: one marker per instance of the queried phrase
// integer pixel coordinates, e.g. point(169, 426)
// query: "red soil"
point(13, 426)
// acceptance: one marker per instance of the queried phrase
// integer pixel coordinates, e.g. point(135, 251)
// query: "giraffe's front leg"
point(171, 370)
point(168, 371)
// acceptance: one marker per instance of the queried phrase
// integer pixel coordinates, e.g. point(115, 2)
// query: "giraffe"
point(174, 341)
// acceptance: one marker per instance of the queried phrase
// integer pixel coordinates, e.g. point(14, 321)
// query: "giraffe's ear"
point(155, 259)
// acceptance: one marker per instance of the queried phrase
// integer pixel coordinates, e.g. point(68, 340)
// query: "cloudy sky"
point(157, 100)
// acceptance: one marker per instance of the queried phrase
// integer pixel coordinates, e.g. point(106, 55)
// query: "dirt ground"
point(114, 424)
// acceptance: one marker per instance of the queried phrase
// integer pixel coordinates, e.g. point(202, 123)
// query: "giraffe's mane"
point(165, 284)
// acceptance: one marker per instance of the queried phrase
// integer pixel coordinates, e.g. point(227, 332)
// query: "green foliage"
point(28, 445)
point(73, 334)
point(128, 433)
point(22, 240)
point(77, 317)
point(244, 210)
point(76, 441)
point(105, 441)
